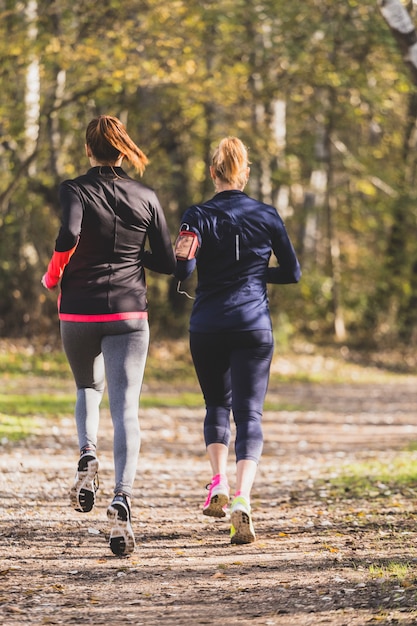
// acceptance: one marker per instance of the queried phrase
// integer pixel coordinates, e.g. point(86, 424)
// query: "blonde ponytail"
point(230, 162)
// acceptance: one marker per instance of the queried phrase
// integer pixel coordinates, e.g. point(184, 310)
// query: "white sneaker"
point(122, 539)
point(241, 529)
point(83, 492)
point(218, 497)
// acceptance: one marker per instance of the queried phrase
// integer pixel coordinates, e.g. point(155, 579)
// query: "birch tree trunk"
point(321, 207)
point(32, 114)
point(279, 133)
point(32, 87)
point(403, 29)
point(266, 113)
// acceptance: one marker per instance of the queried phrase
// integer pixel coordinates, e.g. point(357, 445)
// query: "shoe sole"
point(215, 507)
point(244, 532)
point(83, 492)
point(122, 539)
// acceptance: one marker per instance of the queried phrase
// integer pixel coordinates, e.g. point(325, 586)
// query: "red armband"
point(186, 245)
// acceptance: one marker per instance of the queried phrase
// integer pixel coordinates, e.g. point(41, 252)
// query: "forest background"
point(319, 90)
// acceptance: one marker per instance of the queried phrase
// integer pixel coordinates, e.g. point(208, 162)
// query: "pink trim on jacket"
point(103, 317)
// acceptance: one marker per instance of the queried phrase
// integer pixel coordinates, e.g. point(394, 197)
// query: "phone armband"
point(186, 245)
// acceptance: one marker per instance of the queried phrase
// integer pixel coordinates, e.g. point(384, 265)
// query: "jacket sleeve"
point(72, 217)
point(185, 269)
point(56, 267)
point(67, 240)
point(160, 258)
point(288, 270)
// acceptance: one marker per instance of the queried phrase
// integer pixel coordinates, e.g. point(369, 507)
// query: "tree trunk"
point(403, 29)
point(33, 87)
point(397, 262)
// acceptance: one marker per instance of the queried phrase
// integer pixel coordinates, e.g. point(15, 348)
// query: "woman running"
point(100, 260)
point(230, 239)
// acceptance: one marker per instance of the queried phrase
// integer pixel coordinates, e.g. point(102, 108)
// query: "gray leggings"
point(116, 352)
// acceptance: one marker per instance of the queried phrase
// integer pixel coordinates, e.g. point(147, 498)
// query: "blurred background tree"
point(318, 90)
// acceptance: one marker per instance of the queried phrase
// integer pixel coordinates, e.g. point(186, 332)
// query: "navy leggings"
point(233, 372)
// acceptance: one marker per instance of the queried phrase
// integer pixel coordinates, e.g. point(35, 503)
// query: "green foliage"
point(184, 74)
point(37, 363)
point(35, 404)
point(373, 479)
point(14, 428)
point(393, 570)
point(37, 383)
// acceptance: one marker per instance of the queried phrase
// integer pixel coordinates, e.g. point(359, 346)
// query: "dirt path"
point(316, 558)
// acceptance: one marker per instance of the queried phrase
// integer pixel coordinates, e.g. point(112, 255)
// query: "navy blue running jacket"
point(237, 235)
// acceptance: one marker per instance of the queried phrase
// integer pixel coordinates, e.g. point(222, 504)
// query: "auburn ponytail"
point(108, 140)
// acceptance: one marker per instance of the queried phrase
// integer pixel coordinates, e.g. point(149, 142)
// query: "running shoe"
point(218, 497)
point(83, 491)
point(122, 539)
point(241, 529)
